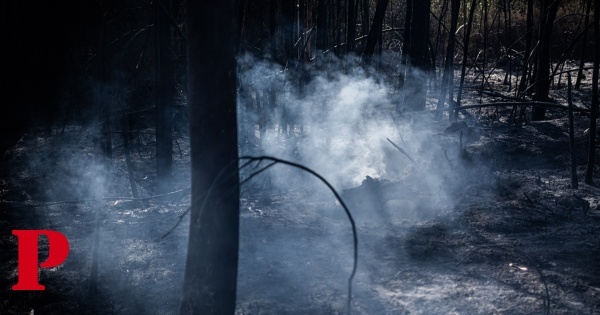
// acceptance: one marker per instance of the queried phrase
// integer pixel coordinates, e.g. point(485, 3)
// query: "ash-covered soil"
point(500, 232)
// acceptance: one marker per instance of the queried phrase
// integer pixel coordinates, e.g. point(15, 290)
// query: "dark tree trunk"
point(338, 27)
point(466, 41)
point(165, 92)
point(375, 31)
point(508, 28)
point(543, 80)
point(438, 38)
point(572, 155)
point(485, 12)
point(321, 26)
point(240, 12)
point(270, 105)
point(528, 40)
point(105, 108)
point(365, 16)
point(418, 56)
point(588, 6)
point(589, 173)
point(350, 26)
point(404, 60)
point(448, 77)
point(419, 48)
point(211, 266)
point(289, 37)
point(273, 28)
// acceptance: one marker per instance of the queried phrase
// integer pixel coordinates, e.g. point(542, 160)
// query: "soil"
point(505, 233)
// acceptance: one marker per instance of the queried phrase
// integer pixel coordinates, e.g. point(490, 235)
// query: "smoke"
point(338, 123)
point(336, 118)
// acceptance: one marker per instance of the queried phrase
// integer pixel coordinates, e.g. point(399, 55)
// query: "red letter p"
point(58, 250)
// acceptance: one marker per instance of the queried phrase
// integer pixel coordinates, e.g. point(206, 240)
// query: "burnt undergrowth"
point(482, 220)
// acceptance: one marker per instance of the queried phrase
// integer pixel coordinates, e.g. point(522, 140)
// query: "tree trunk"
point(404, 59)
point(350, 26)
point(588, 6)
point(419, 60)
point(508, 28)
point(465, 54)
point(589, 173)
point(165, 92)
point(447, 79)
point(438, 38)
point(321, 27)
point(543, 80)
point(528, 40)
point(106, 141)
point(211, 266)
point(572, 155)
point(365, 16)
point(485, 13)
point(375, 31)
point(273, 29)
point(338, 27)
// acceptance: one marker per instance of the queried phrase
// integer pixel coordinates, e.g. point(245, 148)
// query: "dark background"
point(43, 44)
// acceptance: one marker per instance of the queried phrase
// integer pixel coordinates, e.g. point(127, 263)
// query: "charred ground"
point(504, 233)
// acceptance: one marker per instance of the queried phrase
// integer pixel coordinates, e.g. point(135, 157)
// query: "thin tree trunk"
point(165, 91)
point(106, 102)
point(589, 173)
point(338, 27)
point(508, 28)
point(588, 6)
point(448, 78)
point(528, 40)
point(543, 79)
point(485, 42)
point(365, 16)
point(438, 37)
point(211, 265)
point(350, 26)
point(321, 26)
point(405, 59)
point(574, 180)
point(465, 55)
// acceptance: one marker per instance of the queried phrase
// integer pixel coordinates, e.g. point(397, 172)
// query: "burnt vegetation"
point(303, 157)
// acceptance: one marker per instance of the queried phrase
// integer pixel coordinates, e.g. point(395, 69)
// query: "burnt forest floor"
point(502, 232)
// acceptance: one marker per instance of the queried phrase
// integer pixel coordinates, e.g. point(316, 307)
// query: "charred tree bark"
point(419, 61)
point(211, 265)
point(288, 10)
point(528, 40)
point(465, 55)
point(337, 27)
point(273, 29)
point(322, 18)
point(438, 39)
point(508, 28)
point(404, 60)
point(588, 6)
point(574, 179)
point(448, 77)
point(589, 173)
point(165, 94)
point(375, 32)
point(365, 16)
point(106, 140)
point(543, 79)
point(350, 26)
point(484, 14)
